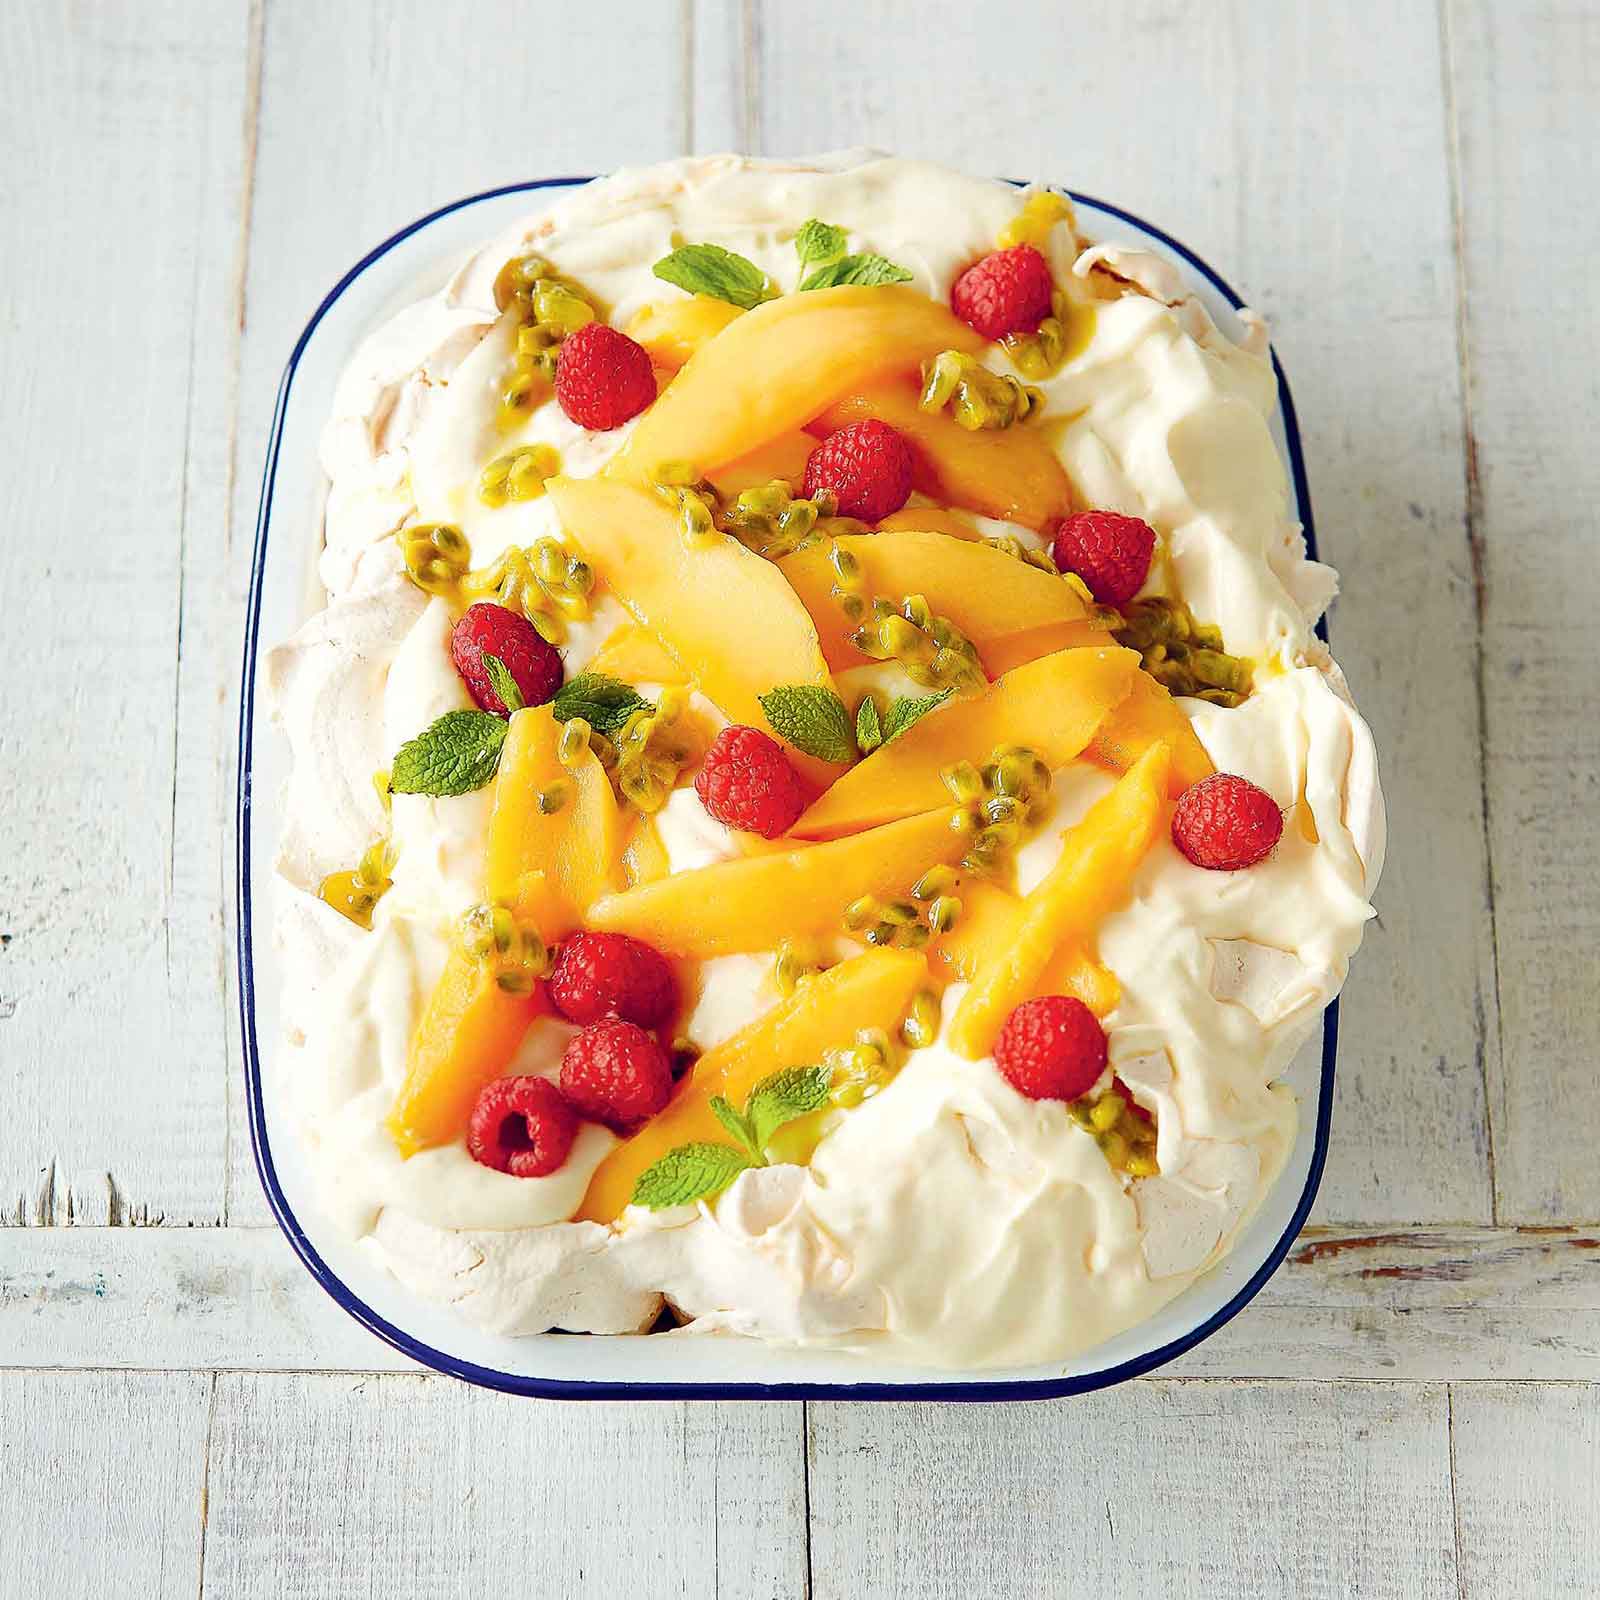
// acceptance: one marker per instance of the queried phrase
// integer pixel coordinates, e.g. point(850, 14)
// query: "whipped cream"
point(932, 1216)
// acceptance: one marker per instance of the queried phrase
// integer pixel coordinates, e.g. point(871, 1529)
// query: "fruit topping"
point(1184, 655)
point(488, 630)
point(616, 1073)
point(603, 378)
point(975, 396)
point(672, 332)
point(1124, 1130)
point(1052, 1048)
point(1008, 291)
point(436, 556)
point(747, 782)
point(866, 466)
point(1226, 823)
point(1109, 551)
point(600, 975)
point(1150, 716)
point(548, 308)
point(356, 894)
point(521, 1125)
point(518, 474)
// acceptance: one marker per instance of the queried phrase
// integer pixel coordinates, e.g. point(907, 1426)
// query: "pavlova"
point(817, 811)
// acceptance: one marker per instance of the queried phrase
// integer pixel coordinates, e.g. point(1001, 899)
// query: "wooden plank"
point(122, 205)
point(105, 1480)
point(1524, 104)
point(1178, 1490)
point(352, 146)
point(1338, 227)
point(721, 104)
point(1527, 1481)
point(1411, 1303)
point(404, 1486)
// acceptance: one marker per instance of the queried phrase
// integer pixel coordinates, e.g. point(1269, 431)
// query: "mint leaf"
point(869, 730)
point(738, 1125)
point(709, 269)
point(909, 709)
point(690, 1172)
point(503, 684)
point(869, 270)
point(780, 1098)
point(812, 719)
point(818, 242)
point(604, 703)
point(459, 753)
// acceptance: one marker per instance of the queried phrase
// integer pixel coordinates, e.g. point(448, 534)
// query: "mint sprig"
point(605, 703)
point(812, 719)
point(911, 709)
point(457, 754)
point(869, 727)
point(704, 1168)
point(817, 242)
point(503, 684)
point(868, 270)
point(709, 269)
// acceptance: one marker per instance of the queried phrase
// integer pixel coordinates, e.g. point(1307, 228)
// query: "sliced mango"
point(470, 1030)
point(774, 368)
point(1090, 879)
point(784, 457)
point(983, 591)
point(646, 859)
point(868, 991)
point(577, 849)
point(726, 616)
point(635, 655)
point(931, 519)
point(1150, 715)
point(1052, 706)
point(1012, 650)
point(673, 330)
point(756, 902)
point(1011, 473)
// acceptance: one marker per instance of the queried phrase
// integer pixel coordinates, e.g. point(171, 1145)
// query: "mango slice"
point(635, 655)
point(646, 859)
point(1092, 876)
point(983, 591)
point(758, 901)
point(470, 1030)
point(868, 991)
point(675, 329)
point(577, 849)
point(784, 457)
point(1052, 706)
point(1010, 473)
point(726, 616)
point(774, 368)
point(930, 519)
point(1150, 715)
point(1012, 650)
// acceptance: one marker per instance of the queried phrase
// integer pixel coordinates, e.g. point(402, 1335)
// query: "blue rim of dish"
point(571, 1389)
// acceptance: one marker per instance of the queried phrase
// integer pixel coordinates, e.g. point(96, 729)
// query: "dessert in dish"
point(817, 812)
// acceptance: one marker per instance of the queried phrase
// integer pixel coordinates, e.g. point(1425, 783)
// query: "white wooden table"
point(1409, 193)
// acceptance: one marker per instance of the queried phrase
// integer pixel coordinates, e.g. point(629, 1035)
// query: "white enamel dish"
point(414, 263)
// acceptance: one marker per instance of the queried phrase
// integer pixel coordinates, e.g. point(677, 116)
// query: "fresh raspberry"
point(1109, 551)
point(616, 1073)
point(867, 465)
point(1052, 1048)
point(490, 630)
point(747, 783)
point(1226, 823)
point(1006, 292)
point(523, 1126)
point(610, 975)
point(603, 377)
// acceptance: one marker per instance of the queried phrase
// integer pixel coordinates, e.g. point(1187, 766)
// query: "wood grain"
point(121, 128)
point(104, 1482)
point(397, 1487)
point(1176, 1490)
point(1524, 102)
point(1233, 128)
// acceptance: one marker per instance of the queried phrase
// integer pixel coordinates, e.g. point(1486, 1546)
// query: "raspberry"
point(523, 1126)
point(1226, 823)
point(616, 1073)
point(867, 466)
point(1006, 292)
point(747, 783)
point(1109, 551)
point(603, 377)
point(1052, 1048)
point(610, 975)
point(490, 630)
